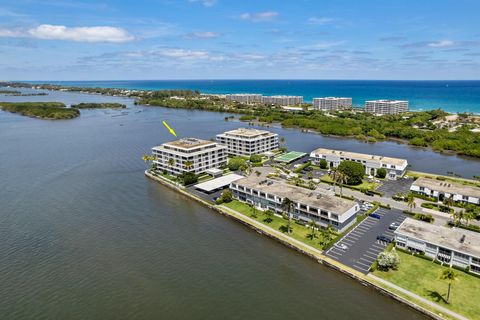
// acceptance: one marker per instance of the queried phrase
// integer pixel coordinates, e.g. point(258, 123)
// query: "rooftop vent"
point(462, 239)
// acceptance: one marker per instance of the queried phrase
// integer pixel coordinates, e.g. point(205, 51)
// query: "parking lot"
point(361, 246)
point(390, 187)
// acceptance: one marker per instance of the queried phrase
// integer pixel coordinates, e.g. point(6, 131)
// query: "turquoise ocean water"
point(452, 96)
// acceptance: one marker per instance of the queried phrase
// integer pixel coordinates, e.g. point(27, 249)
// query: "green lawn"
point(299, 232)
point(423, 278)
point(364, 185)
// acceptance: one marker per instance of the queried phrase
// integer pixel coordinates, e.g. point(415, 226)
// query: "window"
point(334, 216)
point(461, 255)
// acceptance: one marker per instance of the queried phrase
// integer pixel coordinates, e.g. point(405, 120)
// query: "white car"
point(341, 246)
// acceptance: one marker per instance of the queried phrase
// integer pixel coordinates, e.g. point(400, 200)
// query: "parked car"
point(369, 193)
point(341, 246)
point(375, 215)
point(394, 226)
point(384, 238)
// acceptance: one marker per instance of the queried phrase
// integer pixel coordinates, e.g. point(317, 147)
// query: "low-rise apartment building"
point(282, 100)
point(382, 107)
point(268, 194)
point(245, 142)
point(332, 103)
point(452, 246)
point(248, 98)
point(446, 189)
point(395, 167)
point(189, 155)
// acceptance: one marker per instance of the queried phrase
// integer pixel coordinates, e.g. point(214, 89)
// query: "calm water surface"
point(84, 235)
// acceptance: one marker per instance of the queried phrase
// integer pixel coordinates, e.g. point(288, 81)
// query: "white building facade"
point(382, 107)
point(395, 167)
point(446, 189)
point(332, 103)
point(268, 194)
point(452, 246)
point(245, 142)
point(247, 98)
point(189, 155)
point(282, 100)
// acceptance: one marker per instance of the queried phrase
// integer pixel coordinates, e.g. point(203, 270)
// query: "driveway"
point(361, 242)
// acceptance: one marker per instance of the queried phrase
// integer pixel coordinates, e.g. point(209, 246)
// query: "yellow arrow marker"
point(169, 129)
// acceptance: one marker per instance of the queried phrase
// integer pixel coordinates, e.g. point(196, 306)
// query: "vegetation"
point(10, 92)
point(99, 106)
point(288, 206)
point(388, 260)
point(353, 171)
point(449, 275)
point(236, 163)
point(431, 287)
point(323, 164)
point(188, 178)
point(256, 158)
point(41, 110)
point(381, 173)
point(437, 207)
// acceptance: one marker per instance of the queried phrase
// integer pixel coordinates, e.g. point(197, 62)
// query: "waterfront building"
point(395, 167)
point(332, 103)
point(324, 208)
point(282, 100)
point(245, 142)
point(382, 107)
point(189, 155)
point(247, 98)
point(446, 189)
point(452, 246)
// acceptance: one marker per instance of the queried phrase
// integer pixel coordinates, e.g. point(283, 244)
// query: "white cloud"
point(79, 34)
point(203, 35)
point(441, 44)
point(319, 21)
point(260, 16)
point(182, 53)
point(206, 3)
point(325, 45)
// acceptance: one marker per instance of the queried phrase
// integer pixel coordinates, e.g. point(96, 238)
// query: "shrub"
point(381, 173)
point(388, 260)
point(353, 170)
point(227, 196)
point(255, 158)
point(236, 163)
point(188, 178)
point(323, 164)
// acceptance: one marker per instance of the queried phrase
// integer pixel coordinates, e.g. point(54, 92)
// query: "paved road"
point(362, 245)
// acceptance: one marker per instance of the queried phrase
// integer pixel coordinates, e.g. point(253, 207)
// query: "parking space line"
point(348, 240)
point(378, 246)
point(370, 256)
point(367, 261)
point(361, 267)
point(363, 264)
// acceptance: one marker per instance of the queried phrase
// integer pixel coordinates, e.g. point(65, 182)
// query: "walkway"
point(417, 297)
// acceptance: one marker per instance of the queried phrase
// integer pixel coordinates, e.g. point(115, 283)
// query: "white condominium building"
point(451, 246)
point(332, 103)
point(248, 98)
point(395, 167)
point(446, 189)
point(189, 155)
point(268, 194)
point(382, 107)
point(245, 142)
point(282, 100)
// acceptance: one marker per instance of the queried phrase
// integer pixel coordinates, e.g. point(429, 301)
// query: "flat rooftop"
point(447, 187)
point(450, 238)
point(248, 133)
point(360, 156)
point(317, 198)
point(387, 101)
point(188, 143)
point(290, 156)
point(332, 98)
point(218, 183)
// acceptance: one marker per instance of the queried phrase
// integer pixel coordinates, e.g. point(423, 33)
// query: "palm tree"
point(258, 173)
point(468, 215)
point(450, 276)
point(338, 177)
point(269, 214)
point(311, 184)
point(313, 227)
point(448, 202)
point(411, 201)
point(458, 216)
point(146, 158)
point(282, 140)
point(188, 165)
point(287, 206)
point(254, 211)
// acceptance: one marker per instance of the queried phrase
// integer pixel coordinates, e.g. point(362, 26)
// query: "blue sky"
point(220, 39)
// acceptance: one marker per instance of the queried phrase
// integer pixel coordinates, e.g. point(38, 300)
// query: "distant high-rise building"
point(332, 103)
point(282, 100)
point(386, 106)
point(247, 98)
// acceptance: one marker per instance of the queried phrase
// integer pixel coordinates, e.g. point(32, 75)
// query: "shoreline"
point(303, 249)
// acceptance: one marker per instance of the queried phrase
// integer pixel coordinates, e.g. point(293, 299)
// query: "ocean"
point(449, 95)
